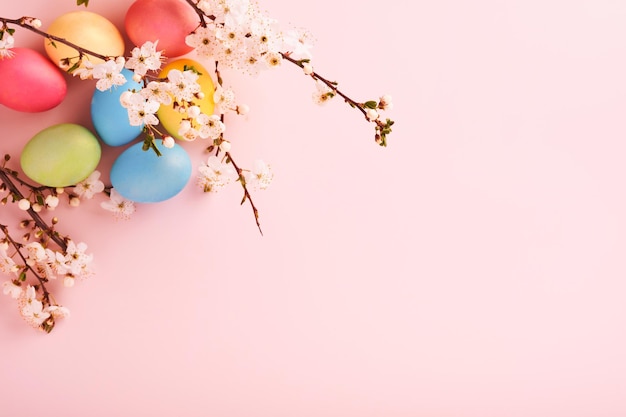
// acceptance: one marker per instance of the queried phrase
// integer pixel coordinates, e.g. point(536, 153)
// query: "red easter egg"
point(29, 82)
point(165, 21)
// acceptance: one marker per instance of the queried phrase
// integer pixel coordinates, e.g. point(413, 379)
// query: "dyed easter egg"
point(171, 118)
point(165, 21)
point(144, 177)
point(87, 30)
point(110, 118)
point(61, 155)
point(30, 83)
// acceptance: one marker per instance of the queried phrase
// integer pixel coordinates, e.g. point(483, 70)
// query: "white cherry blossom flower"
point(157, 91)
point(7, 264)
point(203, 41)
point(183, 84)
point(322, 93)
point(58, 312)
point(109, 74)
point(140, 110)
point(215, 175)
point(187, 130)
point(35, 253)
point(224, 99)
point(210, 126)
point(90, 186)
point(260, 177)
point(31, 308)
point(145, 58)
point(299, 44)
point(6, 43)
point(9, 288)
point(121, 207)
point(57, 262)
point(273, 59)
point(76, 260)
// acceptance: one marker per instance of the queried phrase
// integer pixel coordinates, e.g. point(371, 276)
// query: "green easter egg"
point(61, 155)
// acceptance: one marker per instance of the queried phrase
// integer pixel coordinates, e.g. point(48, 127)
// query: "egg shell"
point(30, 83)
point(170, 118)
point(110, 118)
point(85, 29)
point(144, 177)
point(165, 21)
point(61, 155)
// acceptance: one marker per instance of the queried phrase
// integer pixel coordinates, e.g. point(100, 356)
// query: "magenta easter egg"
point(165, 21)
point(29, 82)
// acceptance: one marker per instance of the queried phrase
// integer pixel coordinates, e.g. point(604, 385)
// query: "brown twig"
point(5, 178)
point(24, 23)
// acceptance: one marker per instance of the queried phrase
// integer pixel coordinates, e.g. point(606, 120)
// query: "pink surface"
point(474, 268)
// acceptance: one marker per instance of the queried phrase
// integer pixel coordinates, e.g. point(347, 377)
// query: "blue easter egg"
point(144, 177)
point(110, 118)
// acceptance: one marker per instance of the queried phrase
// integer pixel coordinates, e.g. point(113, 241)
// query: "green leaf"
point(73, 67)
point(370, 104)
point(80, 2)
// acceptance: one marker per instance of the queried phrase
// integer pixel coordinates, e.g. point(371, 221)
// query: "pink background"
point(474, 268)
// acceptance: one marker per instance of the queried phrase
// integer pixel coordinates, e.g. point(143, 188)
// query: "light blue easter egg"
point(144, 177)
point(110, 118)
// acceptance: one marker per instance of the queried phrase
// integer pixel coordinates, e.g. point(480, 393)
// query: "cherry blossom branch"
point(32, 24)
point(18, 246)
point(368, 108)
point(240, 171)
point(41, 224)
point(246, 193)
point(203, 16)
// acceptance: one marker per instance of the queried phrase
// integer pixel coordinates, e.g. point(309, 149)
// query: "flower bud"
point(385, 102)
point(307, 68)
point(168, 142)
point(371, 114)
point(243, 109)
point(23, 204)
point(52, 201)
point(225, 146)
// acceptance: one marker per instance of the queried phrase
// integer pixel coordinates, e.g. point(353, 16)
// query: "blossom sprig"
point(33, 24)
point(370, 109)
point(40, 254)
point(234, 34)
point(179, 90)
point(239, 36)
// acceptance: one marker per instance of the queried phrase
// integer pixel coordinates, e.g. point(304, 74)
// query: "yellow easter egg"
point(170, 118)
point(87, 30)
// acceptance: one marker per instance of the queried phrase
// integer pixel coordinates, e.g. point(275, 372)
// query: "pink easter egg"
point(29, 82)
point(165, 21)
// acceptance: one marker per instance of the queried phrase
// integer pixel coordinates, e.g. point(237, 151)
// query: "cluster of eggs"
point(67, 153)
